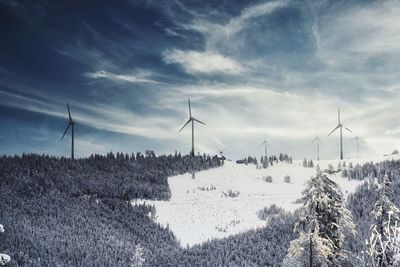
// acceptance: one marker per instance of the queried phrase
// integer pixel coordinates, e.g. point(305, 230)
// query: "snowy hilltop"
point(225, 201)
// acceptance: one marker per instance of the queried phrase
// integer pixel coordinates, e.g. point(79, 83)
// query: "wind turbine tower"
point(191, 120)
point(71, 124)
point(266, 145)
point(340, 126)
point(357, 139)
point(317, 140)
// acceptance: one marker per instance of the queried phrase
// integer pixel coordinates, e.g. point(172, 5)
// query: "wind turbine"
point(357, 142)
point(340, 126)
point(71, 124)
point(318, 141)
point(266, 145)
point(191, 120)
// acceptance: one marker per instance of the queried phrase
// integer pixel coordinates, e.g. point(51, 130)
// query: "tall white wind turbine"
point(357, 139)
point(266, 145)
point(191, 120)
point(318, 141)
point(340, 126)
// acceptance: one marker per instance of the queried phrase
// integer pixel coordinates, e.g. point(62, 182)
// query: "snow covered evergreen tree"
point(384, 243)
point(323, 223)
point(137, 259)
point(264, 162)
point(305, 163)
point(310, 164)
point(4, 258)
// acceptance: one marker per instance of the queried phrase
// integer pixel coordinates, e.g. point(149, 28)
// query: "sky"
point(256, 69)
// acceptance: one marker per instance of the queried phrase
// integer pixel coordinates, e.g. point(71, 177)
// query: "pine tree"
point(305, 163)
point(137, 259)
point(322, 226)
point(384, 244)
point(264, 162)
point(311, 164)
point(4, 258)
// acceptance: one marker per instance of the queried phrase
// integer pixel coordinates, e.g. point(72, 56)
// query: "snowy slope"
point(195, 215)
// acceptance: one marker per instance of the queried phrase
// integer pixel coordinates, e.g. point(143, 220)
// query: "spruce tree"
point(311, 164)
point(322, 226)
point(305, 163)
point(384, 243)
point(137, 259)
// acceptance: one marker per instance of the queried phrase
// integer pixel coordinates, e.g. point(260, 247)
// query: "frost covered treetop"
point(4, 259)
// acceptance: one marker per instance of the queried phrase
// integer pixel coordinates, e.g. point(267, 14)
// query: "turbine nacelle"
point(340, 126)
point(317, 141)
point(191, 118)
point(265, 143)
point(266, 146)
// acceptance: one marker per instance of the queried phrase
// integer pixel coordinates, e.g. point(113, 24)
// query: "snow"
point(196, 215)
point(4, 259)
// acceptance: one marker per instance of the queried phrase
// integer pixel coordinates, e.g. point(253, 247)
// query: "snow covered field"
point(196, 214)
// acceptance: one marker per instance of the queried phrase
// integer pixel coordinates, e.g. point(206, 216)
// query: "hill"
point(224, 201)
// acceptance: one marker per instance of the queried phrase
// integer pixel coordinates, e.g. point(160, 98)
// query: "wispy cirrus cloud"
point(139, 77)
point(220, 32)
point(213, 59)
point(203, 62)
point(104, 116)
point(362, 38)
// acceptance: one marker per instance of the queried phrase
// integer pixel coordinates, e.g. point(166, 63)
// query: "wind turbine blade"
point(347, 129)
point(65, 131)
point(190, 109)
point(69, 113)
point(185, 125)
point(338, 113)
point(334, 130)
point(262, 144)
point(315, 139)
point(198, 121)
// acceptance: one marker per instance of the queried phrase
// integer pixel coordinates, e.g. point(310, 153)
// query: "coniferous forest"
point(59, 212)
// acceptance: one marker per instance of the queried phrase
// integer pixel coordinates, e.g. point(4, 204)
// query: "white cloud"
point(213, 60)
point(238, 23)
point(140, 77)
point(102, 116)
point(361, 35)
point(238, 116)
point(217, 33)
point(203, 62)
